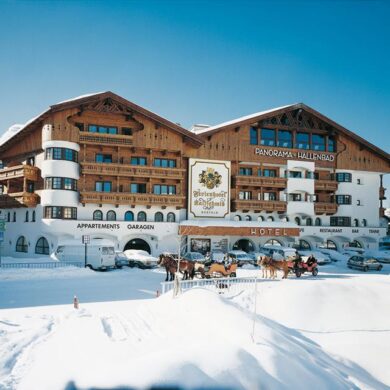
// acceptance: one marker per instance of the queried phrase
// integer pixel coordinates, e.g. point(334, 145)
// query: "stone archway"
point(244, 245)
point(137, 243)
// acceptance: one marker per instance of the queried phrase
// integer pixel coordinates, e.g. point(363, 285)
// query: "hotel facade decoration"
point(103, 166)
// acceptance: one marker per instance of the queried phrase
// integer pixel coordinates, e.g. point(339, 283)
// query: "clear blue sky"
point(201, 62)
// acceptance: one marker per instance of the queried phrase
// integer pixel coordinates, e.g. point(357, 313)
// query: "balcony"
point(325, 208)
point(104, 139)
point(18, 199)
point(260, 205)
point(131, 170)
point(19, 172)
point(132, 199)
point(326, 185)
point(261, 181)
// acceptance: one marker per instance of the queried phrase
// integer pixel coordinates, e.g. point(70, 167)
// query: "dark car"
point(364, 263)
point(121, 260)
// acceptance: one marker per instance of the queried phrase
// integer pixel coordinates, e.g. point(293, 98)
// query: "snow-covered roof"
point(79, 97)
point(243, 118)
point(230, 223)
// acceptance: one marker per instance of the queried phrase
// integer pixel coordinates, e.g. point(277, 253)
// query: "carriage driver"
point(311, 260)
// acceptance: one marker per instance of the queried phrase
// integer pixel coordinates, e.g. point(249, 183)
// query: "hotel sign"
point(209, 189)
point(242, 231)
point(294, 155)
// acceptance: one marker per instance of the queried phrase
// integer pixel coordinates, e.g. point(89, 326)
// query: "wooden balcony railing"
point(129, 170)
point(326, 185)
point(132, 199)
point(261, 181)
point(105, 139)
point(19, 171)
point(261, 205)
point(18, 199)
point(325, 208)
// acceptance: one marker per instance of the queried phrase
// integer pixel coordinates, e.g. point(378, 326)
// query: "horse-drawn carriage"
point(219, 270)
point(299, 267)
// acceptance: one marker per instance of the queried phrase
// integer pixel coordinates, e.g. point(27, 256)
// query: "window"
point(309, 222)
point(269, 195)
point(270, 219)
point(340, 221)
point(158, 217)
point(344, 177)
point(355, 222)
point(42, 247)
point(138, 161)
point(269, 172)
point(254, 136)
point(331, 144)
point(127, 131)
point(294, 197)
point(31, 161)
point(164, 163)
point(80, 126)
point(245, 195)
point(14, 217)
point(343, 199)
point(111, 215)
point(297, 221)
point(33, 216)
point(26, 217)
point(21, 244)
point(97, 215)
point(61, 154)
point(163, 189)
point(59, 212)
point(248, 218)
point(364, 222)
point(138, 188)
point(1, 189)
point(267, 137)
point(260, 218)
point(60, 183)
point(358, 203)
point(284, 139)
point(129, 216)
point(318, 142)
point(103, 158)
point(141, 216)
point(237, 218)
point(246, 171)
point(295, 174)
point(317, 222)
point(103, 186)
point(331, 245)
point(302, 141)
point(171, 217)
point(102, 129)
point(8, 217)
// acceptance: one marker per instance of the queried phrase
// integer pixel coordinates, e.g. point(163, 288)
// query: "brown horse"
point(170, 264)
point(265, 263)
point(281, 265)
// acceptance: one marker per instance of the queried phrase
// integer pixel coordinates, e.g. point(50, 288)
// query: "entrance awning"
point(238, 228)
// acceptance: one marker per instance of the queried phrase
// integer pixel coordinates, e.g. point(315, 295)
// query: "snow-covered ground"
point(329, 332)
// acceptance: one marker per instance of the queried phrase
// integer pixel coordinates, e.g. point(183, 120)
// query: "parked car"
point(217, 256)
point(256, 255)
point(278, 252)
point(141, 259)
point(194, 256)
point(121, 259)
point(321, 258)
point(364, 263)
point(382, 256)
point(241, 258)
point(333, 254)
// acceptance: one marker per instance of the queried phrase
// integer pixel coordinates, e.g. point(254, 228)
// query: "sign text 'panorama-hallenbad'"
point(290, 154)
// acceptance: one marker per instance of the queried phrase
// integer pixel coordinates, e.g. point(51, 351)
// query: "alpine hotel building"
point(102, 166)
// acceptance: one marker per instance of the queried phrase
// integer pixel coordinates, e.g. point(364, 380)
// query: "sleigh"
point(217, 270)
point(301, 267)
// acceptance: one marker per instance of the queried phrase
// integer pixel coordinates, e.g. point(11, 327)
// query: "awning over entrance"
point(238, 228)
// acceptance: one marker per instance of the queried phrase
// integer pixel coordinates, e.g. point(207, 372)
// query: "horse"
point(281, 265)
point(170, 264)
point(265, 263)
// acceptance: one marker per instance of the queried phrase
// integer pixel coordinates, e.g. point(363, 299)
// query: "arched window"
point(97, 215)
point(270, 219)
point(33, 216)
point(364, 222)
point(304, 245)
point(26, 218)
point(8, 217)
point(141, 216)
point(260, 218)
point(318, 222)
point(42, 247)
point(272, 241)
point(297, 221)
point(248, 218)
point(111, 215)
point(355, 222)
point(331, 245)
point(129, 216)
point(309, 222)
point(21, 244)
point(237, 218)
point(171, 217)
point(158, 217)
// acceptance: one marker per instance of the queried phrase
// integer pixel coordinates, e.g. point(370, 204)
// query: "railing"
point(127, 198)
point(18, 199)
point(106, 139)
point(53, 264)
point(265, 205)
point(19, 171)
point(219, 285)
point(325, 208)
point(261, 181)
point(126, 170)
point(326, 185)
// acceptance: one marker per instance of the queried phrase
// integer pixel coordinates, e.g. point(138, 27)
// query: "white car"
point(380, 255)
point(333, 254)
point(321, 258)
point(141, 259)
point(279, 252)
